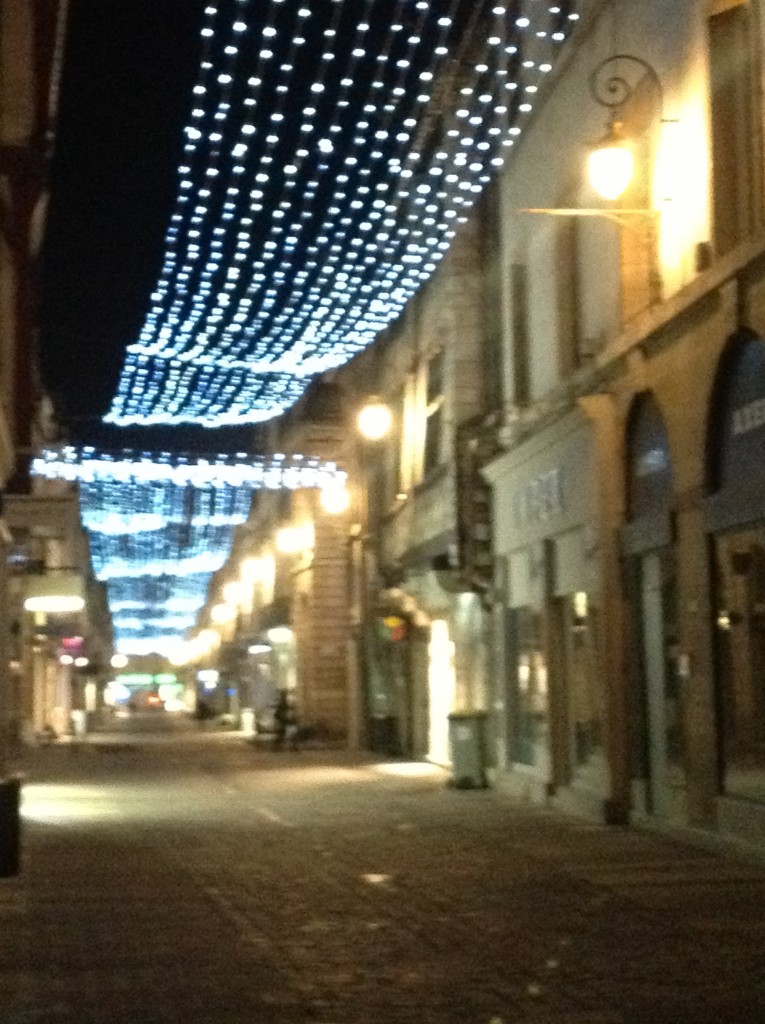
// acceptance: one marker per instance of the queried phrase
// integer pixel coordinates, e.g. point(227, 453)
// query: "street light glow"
point(374, 420)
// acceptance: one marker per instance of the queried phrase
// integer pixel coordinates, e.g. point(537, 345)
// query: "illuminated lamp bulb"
point(206, 640)
point(374, 420)
point(235, 593)
point(289, 540)
point(610, 165)
point(335, 498)
point(222, 613)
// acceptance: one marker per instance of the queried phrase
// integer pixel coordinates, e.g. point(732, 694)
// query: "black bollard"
point(10, 827)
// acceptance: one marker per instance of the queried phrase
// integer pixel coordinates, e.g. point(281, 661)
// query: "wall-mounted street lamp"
point(374, 420)
point(611, 164)
point(611, 161)
point(291, 540)
point(335, 498)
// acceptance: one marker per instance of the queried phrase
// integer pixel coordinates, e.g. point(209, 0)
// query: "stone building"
point(628, 500)
point(599, 363)
point(40, 532)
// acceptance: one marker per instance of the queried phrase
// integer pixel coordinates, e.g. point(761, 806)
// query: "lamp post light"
point(374, 419)
point(611, 162)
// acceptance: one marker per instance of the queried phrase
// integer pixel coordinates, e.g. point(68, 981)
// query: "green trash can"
point(10, 827)
point(467, 739)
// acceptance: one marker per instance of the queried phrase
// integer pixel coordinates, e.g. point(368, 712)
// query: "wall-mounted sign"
point(740, 451)
point(541, 499)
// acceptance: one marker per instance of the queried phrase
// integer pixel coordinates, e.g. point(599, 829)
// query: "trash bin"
point(467, 739)
point(10, 827)
point(247, 721)
point(79, 723)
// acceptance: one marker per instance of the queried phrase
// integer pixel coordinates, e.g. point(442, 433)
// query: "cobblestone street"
point(189, 877)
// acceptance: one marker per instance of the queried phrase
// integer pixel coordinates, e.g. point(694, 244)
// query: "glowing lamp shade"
point(611, 164)
point(290, 540)
point(56, 593)
point(235, 593)
point(222, 613)
point(280, 635)
point(335, 499)
point(374, 420)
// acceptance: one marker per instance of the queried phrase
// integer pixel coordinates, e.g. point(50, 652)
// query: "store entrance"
point(665, 777)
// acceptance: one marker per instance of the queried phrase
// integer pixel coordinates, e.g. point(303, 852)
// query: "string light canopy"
point(331, 152)
point(161, 525)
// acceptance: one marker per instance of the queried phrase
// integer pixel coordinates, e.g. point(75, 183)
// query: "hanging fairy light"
point(329, 157)
point(160, 525)
point(330, 154)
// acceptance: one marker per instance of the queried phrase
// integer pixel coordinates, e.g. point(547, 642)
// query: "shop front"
point(390, 725)
point(656, 705)
point(736, 524)
point(430, 663)
point(549, 690)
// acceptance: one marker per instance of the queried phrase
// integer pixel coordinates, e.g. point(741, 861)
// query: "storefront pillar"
point(608, 425)
point(696, 660)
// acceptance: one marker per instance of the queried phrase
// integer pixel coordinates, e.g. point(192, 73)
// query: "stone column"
point(608, 425)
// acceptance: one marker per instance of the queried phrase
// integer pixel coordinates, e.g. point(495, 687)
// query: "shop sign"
point(540, 500)
point(742, 449)
point(748, 417)
point(395, 628)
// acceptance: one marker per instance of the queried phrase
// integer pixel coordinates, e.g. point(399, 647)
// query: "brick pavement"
point(205, 882)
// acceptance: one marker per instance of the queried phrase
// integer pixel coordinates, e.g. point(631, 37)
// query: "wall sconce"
point(256, 569)
point(611, 162)
point(235, 593)
point(335, 498)
point(374, 419)
point(223, 613)
point(291, 540)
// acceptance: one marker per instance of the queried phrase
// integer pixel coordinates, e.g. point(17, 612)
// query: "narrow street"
point(178, 875)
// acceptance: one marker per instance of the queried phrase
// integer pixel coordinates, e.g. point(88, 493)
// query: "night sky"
point(126, 93)
point(128, 71)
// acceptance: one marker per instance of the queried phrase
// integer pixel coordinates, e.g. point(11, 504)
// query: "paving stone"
point(195, 879)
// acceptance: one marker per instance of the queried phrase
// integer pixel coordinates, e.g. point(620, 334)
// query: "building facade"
point(426, 536)
point(41, 538)
point(598, 363)
point(279, 611)
point(563, 531)
point(627, 498)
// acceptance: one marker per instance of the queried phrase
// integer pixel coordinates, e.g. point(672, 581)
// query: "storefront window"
point(586, 708)
point(434, 400)
point(736, 518)
point(529, 712)
point(740, 565)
